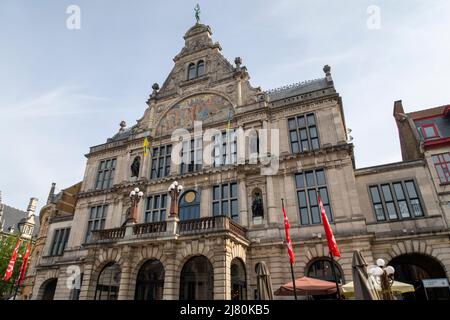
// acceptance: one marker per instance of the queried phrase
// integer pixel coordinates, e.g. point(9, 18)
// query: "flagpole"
point(333, 269)
point(292, 266)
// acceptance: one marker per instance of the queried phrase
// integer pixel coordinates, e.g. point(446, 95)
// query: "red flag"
point(332, 245)
point(23, 267)
point(288, 236)
point(12, 262)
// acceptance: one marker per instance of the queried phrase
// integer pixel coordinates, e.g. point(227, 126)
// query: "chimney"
point(51, 194)
point(32, 207)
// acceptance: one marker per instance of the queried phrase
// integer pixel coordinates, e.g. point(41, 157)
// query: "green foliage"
point(7, 245)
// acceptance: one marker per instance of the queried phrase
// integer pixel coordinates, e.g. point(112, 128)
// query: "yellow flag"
point(146, 147)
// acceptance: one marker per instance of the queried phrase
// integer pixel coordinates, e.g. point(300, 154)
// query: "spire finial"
point(197, 12)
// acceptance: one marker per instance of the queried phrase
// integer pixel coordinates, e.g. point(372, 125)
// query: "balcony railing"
point(197, 225)
point(150, 228)
point(156, 229)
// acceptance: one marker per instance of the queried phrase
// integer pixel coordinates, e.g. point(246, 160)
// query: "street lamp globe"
point(136, 190)
point(390, 270)
point(132, 193)
point(381, 263)
point(180, 188)
point(140, 194)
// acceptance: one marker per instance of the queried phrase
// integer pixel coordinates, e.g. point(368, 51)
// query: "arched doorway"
point(108, 282)
point(150, 281)
point(413, 268)
point(321, 268)
point(197, 279)
point(238, 280)
point(48, 289)
point(190, 205)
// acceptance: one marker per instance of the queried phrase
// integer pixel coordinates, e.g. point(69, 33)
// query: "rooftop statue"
point(197, 12)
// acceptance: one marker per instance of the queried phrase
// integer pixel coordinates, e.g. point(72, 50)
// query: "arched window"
point(190, 205)
point(321, 269)
point(238, 280)
point(197, 279)
point(150, 281)
point(191, 71)
point(200, 68)
point(108, 282)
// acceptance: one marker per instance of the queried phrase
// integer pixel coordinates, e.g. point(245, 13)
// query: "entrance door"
point(49, 290)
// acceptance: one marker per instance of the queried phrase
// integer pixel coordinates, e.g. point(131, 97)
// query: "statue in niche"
point(257, 205)
point(135, 166)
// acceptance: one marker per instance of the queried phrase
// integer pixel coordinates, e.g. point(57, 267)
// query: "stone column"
point(205, 202)
point(271, 203)
point(243, 207)
point(87, 291)
point(171, 278)
point(125, 279)
point(222, 273)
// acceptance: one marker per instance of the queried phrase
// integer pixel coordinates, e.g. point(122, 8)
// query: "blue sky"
point(63, 90)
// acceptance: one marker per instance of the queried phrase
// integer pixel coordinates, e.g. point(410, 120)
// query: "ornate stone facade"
point(203, 85)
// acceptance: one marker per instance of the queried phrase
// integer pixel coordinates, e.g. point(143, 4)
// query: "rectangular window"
point(399, 200)
point(225, 200)
point(442, 166)
point(225, 148)
point(155, 210)
point(97, 219)
point(60, 239)
point(309, 185)
point(303, 133)
point(193, 151)
point(161, 160)
point(430, 131)
point(105, 175)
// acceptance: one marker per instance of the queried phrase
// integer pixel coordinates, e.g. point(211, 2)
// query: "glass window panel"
point(293, 136)
point(430, 132)
point(225, 207)
point(295, 147)
point(302, 199)
point(324, 195)
point(305, 146)
point(303, 134)
point(416, 208)
point(234, 207)
point(392, 212)
point(313, 132)
point(404, 211)
point(315, 215)
point(386, 192)
point(312, 197)
point(436, 159)
point(301, 122)
point(292, 124)
point(399, 191)
point(315, 144)
point(320, 175)
point(233, 190)
point(216, 193)
point(311, 120)
point(224, 191)
point(304, 219)
point(310, 181)
point(216, 208)
point(410, 187)
point(299, 181)
point(328, 213)
point(446, 157)
point(379, 212)
point(375, 194)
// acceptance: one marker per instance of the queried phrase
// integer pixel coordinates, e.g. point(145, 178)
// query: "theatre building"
point(229, 210)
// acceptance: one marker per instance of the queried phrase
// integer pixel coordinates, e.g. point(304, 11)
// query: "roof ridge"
point(292, 86)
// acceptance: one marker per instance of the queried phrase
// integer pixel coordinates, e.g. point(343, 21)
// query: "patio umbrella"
point(263, 282)
point(363, 286)
point(397, 288)
point(307, 287)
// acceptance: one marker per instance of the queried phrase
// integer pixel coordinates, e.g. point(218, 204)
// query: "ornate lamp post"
point(175, 190)
point(384, 276)
point(135, 196)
